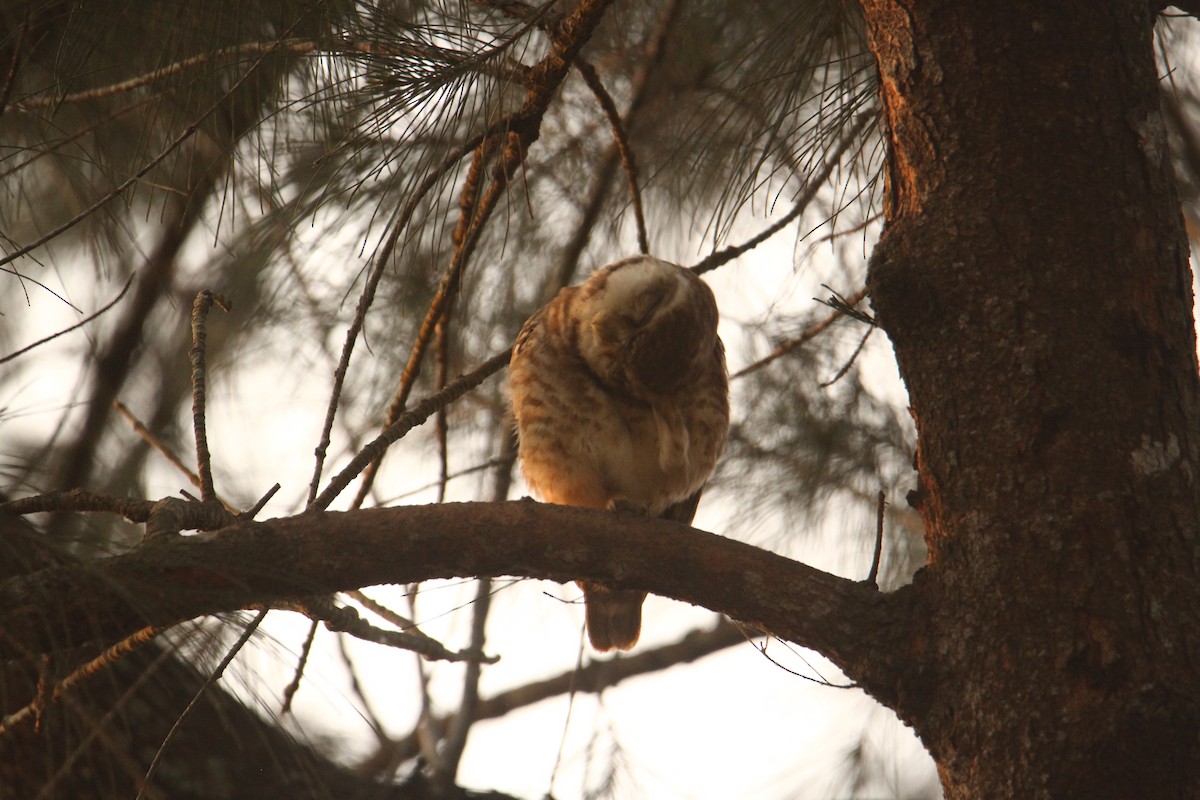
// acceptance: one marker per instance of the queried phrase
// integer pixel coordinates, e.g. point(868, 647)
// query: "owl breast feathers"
point(621, 401)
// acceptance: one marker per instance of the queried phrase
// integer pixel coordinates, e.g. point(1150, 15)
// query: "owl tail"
point(614, 616)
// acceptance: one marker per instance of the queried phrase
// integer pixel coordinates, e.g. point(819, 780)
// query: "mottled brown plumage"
point(621, 401)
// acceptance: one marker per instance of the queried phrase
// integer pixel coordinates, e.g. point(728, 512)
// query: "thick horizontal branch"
point(254, 563)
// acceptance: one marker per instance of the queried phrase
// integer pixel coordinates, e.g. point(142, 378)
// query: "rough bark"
point(1033, 278)
point(318, 553)
point(95, 738)
point(53, 605)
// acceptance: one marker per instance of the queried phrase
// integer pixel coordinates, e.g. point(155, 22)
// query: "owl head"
point(645, 326)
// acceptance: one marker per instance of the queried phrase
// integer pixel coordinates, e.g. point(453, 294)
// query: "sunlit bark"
point(1033, 278)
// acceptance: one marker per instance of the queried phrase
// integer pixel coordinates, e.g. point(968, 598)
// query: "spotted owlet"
point(622, 402)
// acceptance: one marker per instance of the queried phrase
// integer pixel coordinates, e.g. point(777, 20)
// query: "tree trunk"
point(1033, 277)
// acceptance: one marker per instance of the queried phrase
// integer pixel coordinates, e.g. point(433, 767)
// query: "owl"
point(621, 401)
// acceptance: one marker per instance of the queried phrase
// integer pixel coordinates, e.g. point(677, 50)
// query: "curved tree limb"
point(250, 564)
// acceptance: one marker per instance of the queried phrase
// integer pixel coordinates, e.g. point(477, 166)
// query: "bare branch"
point(44, 149)
point(290, 690)
point(155, 442)
point(881, 505)
point(592, 79)
point(591, 679)
point(204, 301)
point(98, 728)
point(10, 76)
point(370, 715)
point(252, 512)
point(456, 731)
point(343, 619)
point(379, 264)
point(423, 410)
point(654, 49)
point(841, 373)
point(472, 215)
point(380, 610)
point(317, 553)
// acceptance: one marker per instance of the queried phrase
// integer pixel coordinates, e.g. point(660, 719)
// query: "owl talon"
point(619, 505)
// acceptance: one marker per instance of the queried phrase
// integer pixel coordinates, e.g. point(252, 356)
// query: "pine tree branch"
point(251, 564)
point(415, 51)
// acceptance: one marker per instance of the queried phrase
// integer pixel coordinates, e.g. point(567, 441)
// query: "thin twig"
point(22, 279)
point(378, 266)
point(375, 607)
point(592, 79)
point(204, 301)
point(572, 693)
point(407, 421)
point(209, 681)
point(441, 419)
point(845, 306)
point(79, 324)
point(873, 575)
point(811, 188)
point(96, 665)
point(252, 512)
point(294, 685)
point(96, 729)
point(158, 444)
point(491, 462)
point(655, 49)
point(11, 76)
point(162, 447)
point(45, 149)
point(467, 201)
point(41, 698)
point(593, 678)
point(441, 299)
point(372, 718)
point(806, 336)
point(344, 619)
point(841, 373)
point(762, 649)
point(429, 729)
